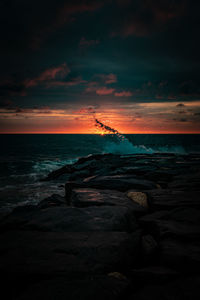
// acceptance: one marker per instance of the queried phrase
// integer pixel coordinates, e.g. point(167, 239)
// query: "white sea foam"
point(125, 147)
point(46, 166)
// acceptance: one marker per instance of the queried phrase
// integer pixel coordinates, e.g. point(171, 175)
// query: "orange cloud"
point(104, 91)
point(123, 94)
point(48, 75)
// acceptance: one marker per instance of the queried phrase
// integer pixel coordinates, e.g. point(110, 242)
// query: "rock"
point(65, 219)
point(68, 169)
point(102, 287)
point(54, 200)
point(18, 217)
point(180, 255)
point(161, 175)
point(186, 182)
point(169, 199)
point(4, 212)
point(85, 197)
point(183, 288)
point(189, 216)
point(154, 274)
point(149, 245)
point(118, 182)
point(139, 197)
point(117, 275)
point(79, 174)
point(134, 170)
point(182, 223)
point(71, 254)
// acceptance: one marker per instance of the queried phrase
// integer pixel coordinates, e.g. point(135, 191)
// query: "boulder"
point(154, 274)
point(101, 287)
point(85, 197)
point(138, 197)
point(149, 245)
point(180, 255)
point(53, 200)
point(18, 217)
point(183, 288)
point(121, 183)
point(70, 254)
point(65, 219)
point(181, 223)
point(161, 199)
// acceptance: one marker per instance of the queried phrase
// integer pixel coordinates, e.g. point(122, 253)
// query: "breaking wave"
point(117, 143)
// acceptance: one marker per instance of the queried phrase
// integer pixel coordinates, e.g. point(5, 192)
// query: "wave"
point(47, 166)
point(126, 147)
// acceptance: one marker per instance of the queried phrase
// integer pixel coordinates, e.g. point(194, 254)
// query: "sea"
point(27, 158)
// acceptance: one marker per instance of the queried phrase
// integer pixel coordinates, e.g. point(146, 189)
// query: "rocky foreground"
point(127, 228)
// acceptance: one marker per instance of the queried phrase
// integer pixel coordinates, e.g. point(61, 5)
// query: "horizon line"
point(23, 133)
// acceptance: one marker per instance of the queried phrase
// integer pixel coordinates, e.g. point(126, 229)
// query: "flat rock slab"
point(85, 197)
point(71, 254)
point(180, 255)
point(117, 182)
point(184, 288)
point(162, 199)
point(98, 288)
point(166, 228)
point(183, 223)
point(65, 219)
point(154, 274)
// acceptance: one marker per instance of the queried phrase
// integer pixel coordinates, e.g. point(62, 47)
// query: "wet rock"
point(134, 170)
point(162, 199)
point(102, 287)
point(18, 217)
point(186, 182)
point(189, 216)
point(53, 200)
point(79, 175)
point(65, 219)
point(180, 255)
point(68, 169)
point(4, 212)
point(154, 274)
point(182, 223)
point(149, 245)
point(99, 288)
point(183, 288)
point(161, 175)
point(85, 197)
point(118, 182)
point(117, 275)
point(73, 254)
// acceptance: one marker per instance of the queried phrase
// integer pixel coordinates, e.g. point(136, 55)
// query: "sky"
point(133, 65)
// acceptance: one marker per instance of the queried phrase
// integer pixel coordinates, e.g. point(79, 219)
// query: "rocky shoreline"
point(127, 228)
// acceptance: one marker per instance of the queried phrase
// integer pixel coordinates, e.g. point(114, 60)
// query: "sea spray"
point(117, 142)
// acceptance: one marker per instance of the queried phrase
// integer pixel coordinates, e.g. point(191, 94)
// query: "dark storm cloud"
point(145, 17)
point(30, 23)
point(55, 52)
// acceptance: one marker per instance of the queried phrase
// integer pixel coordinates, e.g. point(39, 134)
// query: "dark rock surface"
point(66, 253)
point(86, 197)
point(127, 228)
point(65, 219)
point(98, 288)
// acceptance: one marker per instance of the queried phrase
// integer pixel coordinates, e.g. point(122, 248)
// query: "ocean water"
point(25, 159)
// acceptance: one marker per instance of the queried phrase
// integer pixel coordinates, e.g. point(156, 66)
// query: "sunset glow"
point(137, 118)
point(120, 61)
